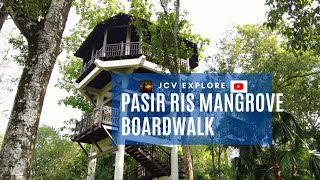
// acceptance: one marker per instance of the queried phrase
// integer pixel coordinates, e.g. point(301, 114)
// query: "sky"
point(210, 18)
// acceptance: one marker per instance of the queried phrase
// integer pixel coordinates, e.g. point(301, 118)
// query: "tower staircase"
point(154, 161)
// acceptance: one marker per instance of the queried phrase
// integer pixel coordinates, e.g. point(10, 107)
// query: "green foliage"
point(20, 45)
point(298, 20)
point(159, 36)
point(33, 9)
point(71, 71)
point(186, 32)
point(162, 42)
point(57, 157)
point(314, 163)
point(254, 49)
point(142, 9)
point(91, 14)
point(105, 167)
point(202, 162)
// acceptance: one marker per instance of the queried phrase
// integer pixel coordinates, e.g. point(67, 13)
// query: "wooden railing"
point(110, 116)
point(104, 115)
point(165, 157)
point(120, 49)
point(126, 49)
point(157, 152)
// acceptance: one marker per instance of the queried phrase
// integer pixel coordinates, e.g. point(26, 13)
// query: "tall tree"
point(174, 29)
point(42, 24)
point(298, 21)
point(254, 49)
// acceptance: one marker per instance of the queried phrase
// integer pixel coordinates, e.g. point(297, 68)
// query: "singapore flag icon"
point(238, 86)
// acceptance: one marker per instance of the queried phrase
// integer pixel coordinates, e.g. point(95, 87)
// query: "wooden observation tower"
point(114, 46)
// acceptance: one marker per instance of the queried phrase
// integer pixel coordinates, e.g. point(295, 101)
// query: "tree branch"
point(24, 24)
point(174, 30)
point(297, 76)
point(4, 58)
point(163, 5)
point(3, 16)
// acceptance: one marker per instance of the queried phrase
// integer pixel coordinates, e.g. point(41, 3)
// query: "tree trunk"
point(44, 40)
point(176, 69)
point(186, 148)
point(3, 16)
point(188, 162)
point(212, 160)
point(275, 164)
point(219, 162)
point(175, 36)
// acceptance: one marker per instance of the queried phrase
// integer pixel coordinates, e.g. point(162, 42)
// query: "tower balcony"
point(125, 51)
point(90, 129)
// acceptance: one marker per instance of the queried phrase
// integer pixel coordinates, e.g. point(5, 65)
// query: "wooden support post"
point(92, 54)
point(97, 55)
point(85, 67)
point(98, 110)
point(105, 40)
point(128, 41)
point(140, 44)
point(101, 116)
point(119, 165)
point(121, 49)
point(188, 65)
